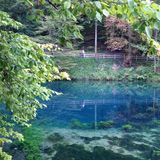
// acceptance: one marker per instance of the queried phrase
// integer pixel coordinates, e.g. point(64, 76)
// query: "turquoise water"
point(101, 121)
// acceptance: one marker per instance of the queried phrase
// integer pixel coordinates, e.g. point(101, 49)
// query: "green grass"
point(101, 69)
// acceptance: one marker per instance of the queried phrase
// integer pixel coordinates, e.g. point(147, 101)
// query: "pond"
point(101, 121)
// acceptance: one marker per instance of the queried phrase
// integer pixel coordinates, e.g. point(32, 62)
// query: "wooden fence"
point(116, 56)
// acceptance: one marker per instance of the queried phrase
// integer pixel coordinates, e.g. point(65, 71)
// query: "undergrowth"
point(102, 69)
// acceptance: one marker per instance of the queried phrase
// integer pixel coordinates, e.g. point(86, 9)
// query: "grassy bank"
point(102, 69)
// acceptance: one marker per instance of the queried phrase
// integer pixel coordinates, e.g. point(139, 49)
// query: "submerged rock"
point(75, 143)
point(72, 152)
point(89, 139)
point(16, 151)
point(54, 138)
point(18, 155)
point(48, 150)
point(101, 153)
point(77, 152)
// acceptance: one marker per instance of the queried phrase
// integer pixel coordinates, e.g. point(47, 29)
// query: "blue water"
point(121, 118)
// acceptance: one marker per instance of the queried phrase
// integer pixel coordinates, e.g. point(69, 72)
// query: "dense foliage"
point(107, 69)
point(142, 15)
point(59, 21)
point(118, 36)
point(23, 69)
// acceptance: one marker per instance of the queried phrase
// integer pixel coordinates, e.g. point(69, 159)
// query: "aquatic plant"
point(156, 155)
point(127, 127)
point(105, 124)
point(77, 124)
point(156, 122)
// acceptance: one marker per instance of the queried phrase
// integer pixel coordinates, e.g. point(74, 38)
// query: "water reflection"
point(90, 101)
point(104, 121)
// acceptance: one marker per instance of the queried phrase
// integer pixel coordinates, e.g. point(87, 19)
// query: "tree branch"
point(52, 4)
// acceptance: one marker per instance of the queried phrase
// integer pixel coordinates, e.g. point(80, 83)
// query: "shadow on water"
point(101, 121)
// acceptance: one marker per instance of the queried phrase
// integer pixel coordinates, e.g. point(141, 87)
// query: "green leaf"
point(131, 3)
point(148, 31)
point(98, 4)
point(77, 34)
point(67, 4)
point(69, 45)
point(98, 16)
point(29, 2)
point(158, 15)
point(105, 12)
point(156, 26)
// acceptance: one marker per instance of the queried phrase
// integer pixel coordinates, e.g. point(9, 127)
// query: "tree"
point(143, 16)
point(24, 67)
point(120, 36)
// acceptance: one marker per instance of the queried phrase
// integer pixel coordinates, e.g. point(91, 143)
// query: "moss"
point(76, 124)
point(127, 127)
point(105, 124)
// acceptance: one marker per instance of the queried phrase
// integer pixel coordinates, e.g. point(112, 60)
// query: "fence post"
point(147, 58)
point(136, 58)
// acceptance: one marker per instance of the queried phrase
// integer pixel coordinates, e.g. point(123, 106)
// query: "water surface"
point(101, 121)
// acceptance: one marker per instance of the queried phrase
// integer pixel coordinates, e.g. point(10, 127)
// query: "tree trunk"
point(155, 36)
point(128, 57)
